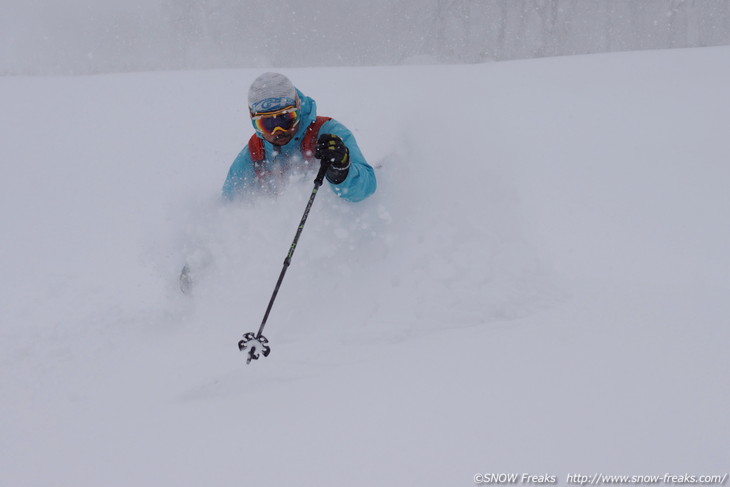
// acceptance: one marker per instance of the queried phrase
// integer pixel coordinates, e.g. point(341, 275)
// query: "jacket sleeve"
point(360, 181)
point(241, 176)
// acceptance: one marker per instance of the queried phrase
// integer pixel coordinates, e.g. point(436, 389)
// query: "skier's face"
point(280, 137)
point(277, 127)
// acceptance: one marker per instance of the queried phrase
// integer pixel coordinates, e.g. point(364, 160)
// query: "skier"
point(289, 135)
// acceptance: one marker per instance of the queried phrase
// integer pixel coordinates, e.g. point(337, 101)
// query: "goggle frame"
point(284, 125)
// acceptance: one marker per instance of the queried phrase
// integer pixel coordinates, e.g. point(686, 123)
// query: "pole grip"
point(324, 164)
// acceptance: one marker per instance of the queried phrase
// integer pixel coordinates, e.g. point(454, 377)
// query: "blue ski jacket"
point(243, 178)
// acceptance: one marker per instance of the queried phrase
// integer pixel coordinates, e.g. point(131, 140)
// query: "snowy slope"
point(539, 285)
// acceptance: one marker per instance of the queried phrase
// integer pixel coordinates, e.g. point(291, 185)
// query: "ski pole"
point(253, 341)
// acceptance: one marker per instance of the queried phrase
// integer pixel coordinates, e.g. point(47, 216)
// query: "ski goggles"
point(280, 120)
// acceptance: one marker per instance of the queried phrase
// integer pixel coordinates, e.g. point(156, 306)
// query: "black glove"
point(333, 151)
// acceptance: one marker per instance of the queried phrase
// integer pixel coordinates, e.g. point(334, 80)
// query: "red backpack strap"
point(309, 142)
point(256, 149)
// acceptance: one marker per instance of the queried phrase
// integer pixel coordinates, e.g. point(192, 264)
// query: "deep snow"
point(539, 284)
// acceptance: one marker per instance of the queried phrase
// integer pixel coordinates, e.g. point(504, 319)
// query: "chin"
point(281, 140)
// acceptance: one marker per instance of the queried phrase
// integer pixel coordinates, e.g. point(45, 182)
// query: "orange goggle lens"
point(272, 122)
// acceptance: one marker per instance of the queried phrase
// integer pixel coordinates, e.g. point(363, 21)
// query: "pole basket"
point(255, 346)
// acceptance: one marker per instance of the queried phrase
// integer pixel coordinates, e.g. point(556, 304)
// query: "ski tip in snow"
point(186, 280)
